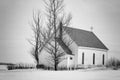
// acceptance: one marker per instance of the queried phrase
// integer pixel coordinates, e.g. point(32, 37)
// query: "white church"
point(85, 49)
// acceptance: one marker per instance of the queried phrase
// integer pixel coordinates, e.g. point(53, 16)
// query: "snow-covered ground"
point(60, 75)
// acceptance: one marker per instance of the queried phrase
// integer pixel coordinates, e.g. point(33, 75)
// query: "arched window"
point(83, 58)
point(103, 59)
point(93, 58)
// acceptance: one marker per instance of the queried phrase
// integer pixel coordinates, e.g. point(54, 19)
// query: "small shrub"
point(40, 66)
point(45, 67)
point(113, 63)
point(10, 67)
point(19, 66)
point(62, 68)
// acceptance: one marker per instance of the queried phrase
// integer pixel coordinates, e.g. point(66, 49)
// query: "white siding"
point(88, 56)
point(73, 47)
point(44, 58)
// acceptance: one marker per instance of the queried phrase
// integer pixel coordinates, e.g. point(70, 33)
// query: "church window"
point(93, 58)
point(103, 59)
point(83, 58)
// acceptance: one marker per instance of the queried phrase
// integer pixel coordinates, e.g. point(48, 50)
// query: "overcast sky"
point(15, 16)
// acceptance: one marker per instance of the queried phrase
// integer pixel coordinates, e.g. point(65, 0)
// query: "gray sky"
point(15, 16)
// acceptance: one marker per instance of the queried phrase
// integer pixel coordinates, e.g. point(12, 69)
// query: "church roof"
point(85, 38)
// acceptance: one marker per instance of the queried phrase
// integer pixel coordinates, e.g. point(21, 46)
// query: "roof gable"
point(85, 38)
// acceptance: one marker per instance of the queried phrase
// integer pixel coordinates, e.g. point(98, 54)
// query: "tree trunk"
point(37, 65)
point(37, 61)
point(55, 67)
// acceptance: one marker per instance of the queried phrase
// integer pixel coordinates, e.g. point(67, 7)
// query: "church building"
point(86, 48)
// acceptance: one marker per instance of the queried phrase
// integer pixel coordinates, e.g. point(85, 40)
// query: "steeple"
point(91, 28)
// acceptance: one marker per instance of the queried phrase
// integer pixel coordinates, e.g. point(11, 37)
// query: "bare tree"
point(55, 16)
point(62, 47)
point(38, 39)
